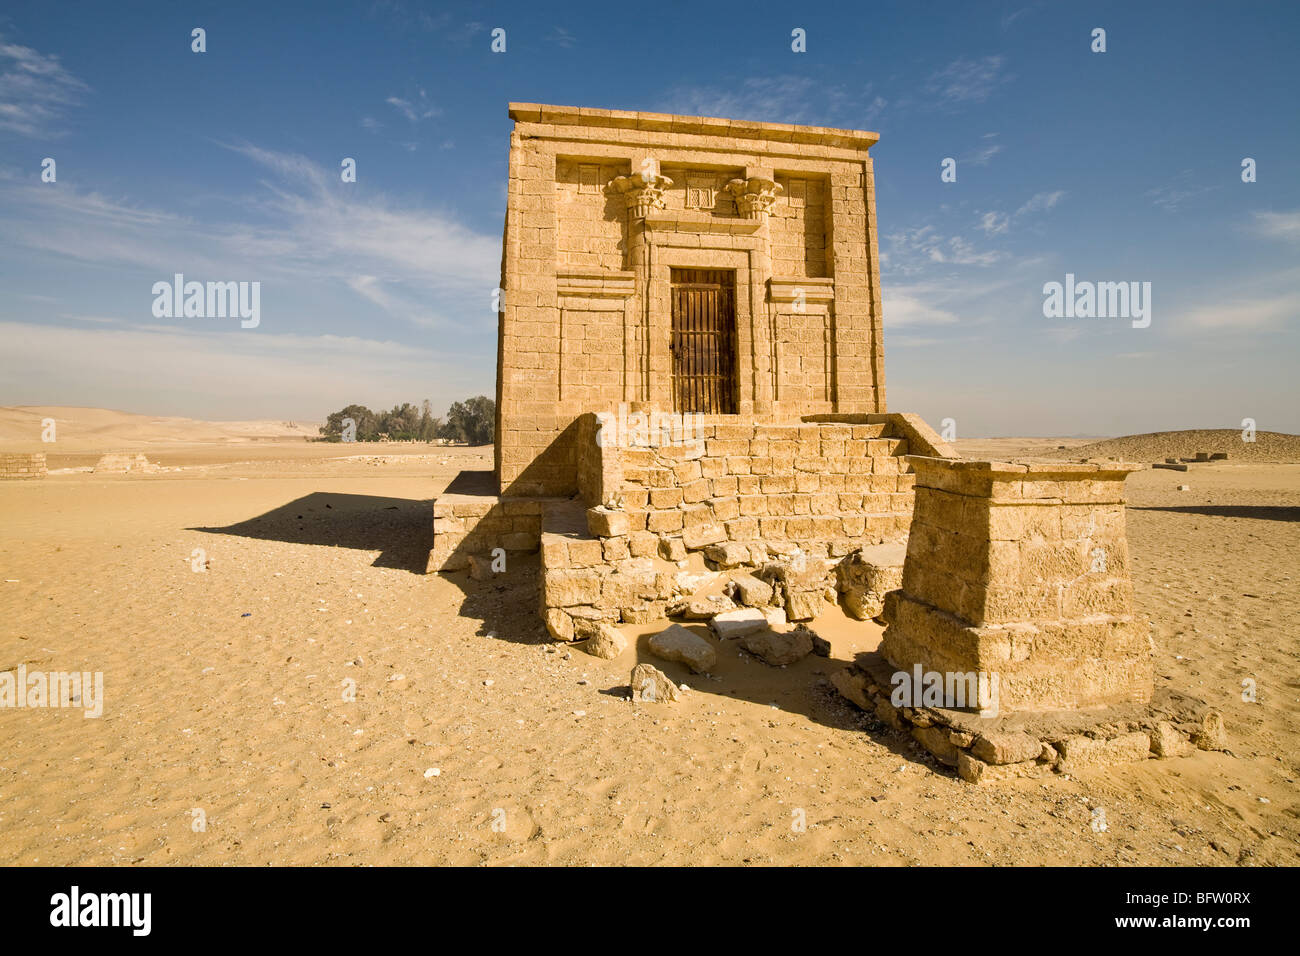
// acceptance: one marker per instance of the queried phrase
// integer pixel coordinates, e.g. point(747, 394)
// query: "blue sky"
point(1115, 166)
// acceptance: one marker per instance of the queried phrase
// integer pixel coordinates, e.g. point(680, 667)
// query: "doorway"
point(704, 341)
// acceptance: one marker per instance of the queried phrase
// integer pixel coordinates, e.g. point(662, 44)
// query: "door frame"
point(668, 251)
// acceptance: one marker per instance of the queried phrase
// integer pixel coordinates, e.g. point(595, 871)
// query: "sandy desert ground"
point(224, 692)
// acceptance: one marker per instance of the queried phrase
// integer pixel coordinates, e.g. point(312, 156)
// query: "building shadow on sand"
point(1260, 512)
point(398, 528)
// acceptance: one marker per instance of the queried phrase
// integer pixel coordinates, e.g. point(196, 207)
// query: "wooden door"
point(704, 341)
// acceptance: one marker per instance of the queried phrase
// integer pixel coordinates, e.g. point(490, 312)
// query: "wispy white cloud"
point(1041, 202)
point(780, 98)
point(1277, 225)
point(562, 38)
point(913, 305)
point(911, 251)
point(305, 227)
point(967, 80)
point(983, 152)
point(416, 108)
point(994, 223)
point(36, 91)
point(1173, 195)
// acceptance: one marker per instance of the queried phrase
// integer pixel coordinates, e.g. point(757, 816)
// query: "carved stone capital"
point(754, 196)
point(643, 192)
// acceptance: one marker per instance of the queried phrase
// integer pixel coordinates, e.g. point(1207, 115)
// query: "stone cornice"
point(690, 220)
point(701, 125)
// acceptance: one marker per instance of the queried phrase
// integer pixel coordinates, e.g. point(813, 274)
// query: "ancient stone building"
point(688, 264)
point(690, 333)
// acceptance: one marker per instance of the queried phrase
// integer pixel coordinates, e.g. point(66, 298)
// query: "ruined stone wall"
point(1022, 571)
point(829, 487)
point(470, 520)
point(22, 466)
point(789, 501)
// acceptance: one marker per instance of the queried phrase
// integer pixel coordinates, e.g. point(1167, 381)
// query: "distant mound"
point(1157, 446)
point(102, 427)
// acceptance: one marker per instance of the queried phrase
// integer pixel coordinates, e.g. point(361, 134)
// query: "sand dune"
point(1157, 446)
point(83, 428)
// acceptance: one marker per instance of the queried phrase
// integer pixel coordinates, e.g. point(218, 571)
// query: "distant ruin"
point(16, 465)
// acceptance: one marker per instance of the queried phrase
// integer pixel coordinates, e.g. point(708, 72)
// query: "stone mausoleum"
point(686, 264)
point(690, 333)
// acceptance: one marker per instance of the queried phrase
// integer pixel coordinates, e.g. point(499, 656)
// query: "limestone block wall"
point(787, 500)
point(799, 227)
point(1022, 571)
point(22, 466)
point(589, 220)
point(829, 487)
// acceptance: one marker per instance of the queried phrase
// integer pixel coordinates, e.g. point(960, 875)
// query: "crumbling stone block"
point(651, 685)
point(678, 643)
point(779, 648)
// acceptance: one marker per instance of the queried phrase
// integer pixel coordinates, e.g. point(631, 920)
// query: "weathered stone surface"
point(604, 523)
point(804, 605)
point(1004, 748)
point(779, 649)
point(729, 554)
point(569, 587)
point(480, 567)
point(738, 623)
point(864, 577)
point(1168, 741)
point(702, 609)
point(852, 686)
point(604, 641)
point(1212, 735)
point(1082, 753)
point(651, 685)
point(888, 714)
point(672, 549)
point(1025, 565)
point(559, 624)
point(688, 582)
point(973, 770)
point(752, 591)
point(642, 544)
point(935, 740)
point(677, 643)
point(702, 536)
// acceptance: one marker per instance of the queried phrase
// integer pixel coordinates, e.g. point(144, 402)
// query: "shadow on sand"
point(507, 609)
point(400, 528)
